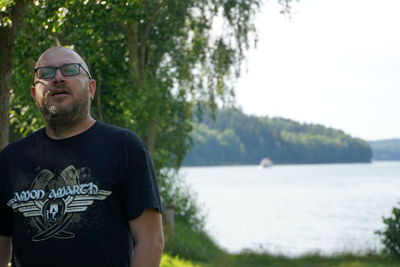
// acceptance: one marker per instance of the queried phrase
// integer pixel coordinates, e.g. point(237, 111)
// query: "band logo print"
point(53, 202)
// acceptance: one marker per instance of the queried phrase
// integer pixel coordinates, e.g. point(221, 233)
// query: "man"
point(78, 192)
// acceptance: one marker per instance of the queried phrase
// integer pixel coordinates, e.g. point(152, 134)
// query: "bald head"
point(59, 55)
point(63, 97)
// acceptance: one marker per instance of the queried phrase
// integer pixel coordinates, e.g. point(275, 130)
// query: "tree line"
point(386, 150)
point(236, 138)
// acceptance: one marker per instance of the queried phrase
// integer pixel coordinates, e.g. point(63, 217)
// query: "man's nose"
point(58, 77)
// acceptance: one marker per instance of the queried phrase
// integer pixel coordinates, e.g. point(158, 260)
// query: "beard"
point(62, 117)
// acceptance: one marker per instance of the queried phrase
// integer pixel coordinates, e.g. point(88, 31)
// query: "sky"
point(333, 62)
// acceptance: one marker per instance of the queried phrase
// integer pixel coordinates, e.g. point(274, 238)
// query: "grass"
point(344, 260)
point(169, 261)
point(263, 260)
point(194, 248)
point(192, 244)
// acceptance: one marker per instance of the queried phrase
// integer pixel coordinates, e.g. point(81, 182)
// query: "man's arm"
point(5, 250)
point(149, 239)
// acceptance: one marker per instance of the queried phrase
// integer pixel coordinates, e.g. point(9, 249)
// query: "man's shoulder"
point(118, 132)
point(15, 149)
point(23, 143)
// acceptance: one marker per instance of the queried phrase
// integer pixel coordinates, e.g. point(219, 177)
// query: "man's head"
point(62, 87)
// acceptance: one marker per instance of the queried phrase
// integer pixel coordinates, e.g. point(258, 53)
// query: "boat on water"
point(266, 162)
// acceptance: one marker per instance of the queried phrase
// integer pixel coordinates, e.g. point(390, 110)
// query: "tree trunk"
point(5, 83)
point(133, 47)
point(7, 37)
point(138, 58)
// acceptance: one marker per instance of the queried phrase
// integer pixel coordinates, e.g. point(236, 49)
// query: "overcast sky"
point(334, 62)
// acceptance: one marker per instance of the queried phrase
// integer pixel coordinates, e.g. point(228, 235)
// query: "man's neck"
point(65, 132)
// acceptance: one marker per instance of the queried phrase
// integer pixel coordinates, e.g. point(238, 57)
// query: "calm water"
point(297, 209)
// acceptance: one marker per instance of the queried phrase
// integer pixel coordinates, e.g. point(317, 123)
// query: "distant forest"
point(386, 149)
point(236, 138)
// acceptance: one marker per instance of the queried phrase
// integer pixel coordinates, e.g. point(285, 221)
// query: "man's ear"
point(33, 93)
point(92, 88)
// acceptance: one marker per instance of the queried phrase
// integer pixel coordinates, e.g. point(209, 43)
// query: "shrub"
point(391, 234)
point(175, 192)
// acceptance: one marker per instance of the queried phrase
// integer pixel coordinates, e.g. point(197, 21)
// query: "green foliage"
point(391, 235)
point(252, 259)
point(197, 247)
point(236, 138)
point(169, 261)
point(216, 146)
point(177, 194)
point(193, 244)
point(153, 62)
point(5, 17)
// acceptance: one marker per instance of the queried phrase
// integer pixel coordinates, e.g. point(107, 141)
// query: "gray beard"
point(62, 120)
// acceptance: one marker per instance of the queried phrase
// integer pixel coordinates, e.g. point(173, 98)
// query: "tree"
point(167, 46)
point(10, 19)
point(154, 60)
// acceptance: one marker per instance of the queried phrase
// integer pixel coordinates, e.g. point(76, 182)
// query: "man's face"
point(62, 97)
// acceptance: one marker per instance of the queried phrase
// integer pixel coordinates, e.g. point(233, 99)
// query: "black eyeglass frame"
point(60, 68)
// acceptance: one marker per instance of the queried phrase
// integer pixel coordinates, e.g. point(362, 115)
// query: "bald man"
point(78, 192)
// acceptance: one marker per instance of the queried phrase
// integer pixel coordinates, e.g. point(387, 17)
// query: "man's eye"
point(47, 73)
point(70, 70)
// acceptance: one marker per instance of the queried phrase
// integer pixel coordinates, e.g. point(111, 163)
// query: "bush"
point(175, 192)
point(391, 235)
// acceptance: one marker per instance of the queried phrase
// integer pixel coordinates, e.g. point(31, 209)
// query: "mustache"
point(58, 89)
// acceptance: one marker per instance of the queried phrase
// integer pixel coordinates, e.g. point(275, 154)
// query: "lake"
point(296, 209)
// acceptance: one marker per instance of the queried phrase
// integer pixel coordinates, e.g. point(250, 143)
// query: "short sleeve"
point(140, 187)
point(6, 214)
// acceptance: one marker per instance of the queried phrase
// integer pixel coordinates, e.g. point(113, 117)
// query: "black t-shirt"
point(67, 202)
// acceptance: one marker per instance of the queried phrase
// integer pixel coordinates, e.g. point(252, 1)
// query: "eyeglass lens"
point(50, 72)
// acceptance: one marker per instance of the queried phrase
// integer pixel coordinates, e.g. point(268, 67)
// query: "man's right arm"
point(5, 250)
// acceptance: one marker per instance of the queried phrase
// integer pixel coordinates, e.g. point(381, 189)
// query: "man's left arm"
point(148, 235)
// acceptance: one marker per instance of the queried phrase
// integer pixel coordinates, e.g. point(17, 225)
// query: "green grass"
point(169, 261)
point(344, 260)
point(192, 248)
point(263, 260)
point(192, 244)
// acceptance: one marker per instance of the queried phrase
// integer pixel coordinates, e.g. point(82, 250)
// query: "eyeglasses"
point(71, 69)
